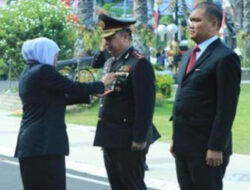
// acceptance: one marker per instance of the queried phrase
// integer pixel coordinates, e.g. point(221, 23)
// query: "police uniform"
point(125, 115)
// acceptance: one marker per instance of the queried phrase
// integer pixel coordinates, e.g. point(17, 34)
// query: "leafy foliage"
point(159, 99)
point(164, 84)
point(24, 19)
point(3, 68)
point(166, 19)
point(92, 38)
point(146, 35)
point(242, 40)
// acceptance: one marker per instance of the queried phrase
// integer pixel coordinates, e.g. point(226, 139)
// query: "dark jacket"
point(100, 58)
point(125, 115)
point(206, 101)
point(44, 94)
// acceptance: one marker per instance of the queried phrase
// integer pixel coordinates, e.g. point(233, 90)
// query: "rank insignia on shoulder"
point(126, 56)
point(138, 55)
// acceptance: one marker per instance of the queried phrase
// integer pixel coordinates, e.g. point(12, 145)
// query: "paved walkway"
point(86, 158)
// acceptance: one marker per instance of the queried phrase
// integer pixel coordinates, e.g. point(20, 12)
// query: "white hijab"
point(40, 49)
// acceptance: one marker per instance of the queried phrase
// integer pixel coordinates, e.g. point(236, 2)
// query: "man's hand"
point(138, 146)
point(108, 79)
point(172, 149)
point(214, 158)
point(103, 45)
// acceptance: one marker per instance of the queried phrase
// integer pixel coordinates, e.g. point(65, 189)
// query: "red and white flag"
point(195, 2)
point(156, 15)
point(225, 5)
point(134, 8)
point(223, 24)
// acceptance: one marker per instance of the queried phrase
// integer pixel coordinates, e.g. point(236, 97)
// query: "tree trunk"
point(151, 5)
point(184, 8)
point(141, 12)
point(246, 21)
point(246, 26)
point(238, 13)
point(85, 13)
point(101, 2)
point(141, 22)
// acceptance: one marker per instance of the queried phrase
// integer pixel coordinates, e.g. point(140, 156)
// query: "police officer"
point(124, 128)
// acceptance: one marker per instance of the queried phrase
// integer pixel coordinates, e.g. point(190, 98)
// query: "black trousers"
point(43, 173)
point(194, 174)
point(125, 169)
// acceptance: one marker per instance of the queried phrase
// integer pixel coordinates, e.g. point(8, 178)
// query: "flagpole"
point(124, 8)
point(176, 19)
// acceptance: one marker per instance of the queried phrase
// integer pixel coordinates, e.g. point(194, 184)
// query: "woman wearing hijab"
point(42, 140)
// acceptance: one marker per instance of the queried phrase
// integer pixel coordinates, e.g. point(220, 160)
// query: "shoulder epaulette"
point(138, 55)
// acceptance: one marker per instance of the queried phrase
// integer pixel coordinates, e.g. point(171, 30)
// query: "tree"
point(238, 6)
point(141, 12)
point(241, 14)
point(246, 26)
point(139, 42)
point(23, 20)
point(86, 17)
point(184, 8)
point(86, 12)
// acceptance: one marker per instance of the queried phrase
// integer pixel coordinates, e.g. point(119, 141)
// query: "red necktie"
point(192, 58)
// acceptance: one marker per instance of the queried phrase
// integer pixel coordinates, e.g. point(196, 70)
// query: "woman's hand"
point(109, 79)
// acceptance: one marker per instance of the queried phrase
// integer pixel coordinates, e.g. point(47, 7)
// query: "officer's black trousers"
point(125, 169)
point(194, 174)
point(43, 173)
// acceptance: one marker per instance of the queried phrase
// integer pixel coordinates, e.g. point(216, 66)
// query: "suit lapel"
point(183, 68)
point(202, 58)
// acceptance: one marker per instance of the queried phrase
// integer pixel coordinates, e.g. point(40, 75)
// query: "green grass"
point(86, 116)
point(161, 120)
point(241, 127)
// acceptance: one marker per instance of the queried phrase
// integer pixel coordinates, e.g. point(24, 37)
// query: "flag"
point(225, 4)
point(134, 8)
point(195, 2)
point(223, 22)
point(156, 15)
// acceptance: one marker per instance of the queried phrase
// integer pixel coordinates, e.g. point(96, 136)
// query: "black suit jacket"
point(125, 115)
point(44, 94)
point(206, 102)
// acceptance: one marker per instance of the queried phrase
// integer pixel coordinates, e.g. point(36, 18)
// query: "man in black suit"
point(124, 129)
point(42, 140)
point(205, 104)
